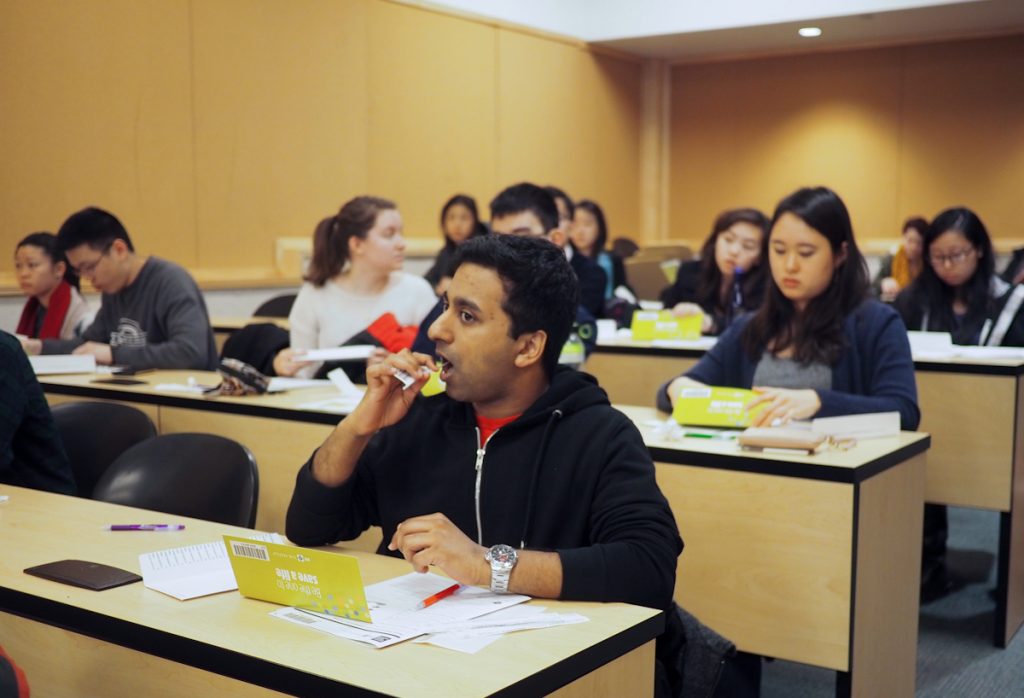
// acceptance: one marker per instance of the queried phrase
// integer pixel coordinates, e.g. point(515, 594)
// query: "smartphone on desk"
point(118, 381)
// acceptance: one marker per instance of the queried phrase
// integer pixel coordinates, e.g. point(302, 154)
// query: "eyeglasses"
point(953, 258)
point(88, 269)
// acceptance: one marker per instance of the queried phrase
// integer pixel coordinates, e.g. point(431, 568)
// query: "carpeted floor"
point(955, 654)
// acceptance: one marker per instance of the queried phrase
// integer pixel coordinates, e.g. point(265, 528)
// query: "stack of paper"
point(466, 621)
point(192, 571)
point(55, 364)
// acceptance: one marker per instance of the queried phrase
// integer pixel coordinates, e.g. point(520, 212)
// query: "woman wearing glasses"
point(958, 290)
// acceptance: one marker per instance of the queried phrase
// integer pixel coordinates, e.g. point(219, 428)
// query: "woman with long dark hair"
point(459, 222)
point(588, 236)
point(817, 346)
point(728, 279)
point(958, 290)
point(55, 308)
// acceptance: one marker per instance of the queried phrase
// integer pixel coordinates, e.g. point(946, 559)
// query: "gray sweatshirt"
point(159, 321)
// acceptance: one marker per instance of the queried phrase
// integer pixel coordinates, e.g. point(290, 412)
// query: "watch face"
point(502, 555)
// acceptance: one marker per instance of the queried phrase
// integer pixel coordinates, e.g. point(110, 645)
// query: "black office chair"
point(204, 476)
point(95, 434)
point(278, 306)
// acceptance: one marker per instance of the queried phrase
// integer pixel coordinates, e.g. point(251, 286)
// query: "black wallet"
point(85, 574)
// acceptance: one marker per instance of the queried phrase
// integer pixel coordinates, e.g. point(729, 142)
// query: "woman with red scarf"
point(55, 309)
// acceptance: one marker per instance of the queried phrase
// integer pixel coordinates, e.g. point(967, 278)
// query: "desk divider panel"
point(1014, 549)
point(971, 455)
point(633, 379)
point(767, 561)
point(888, 581)
point(91, 667)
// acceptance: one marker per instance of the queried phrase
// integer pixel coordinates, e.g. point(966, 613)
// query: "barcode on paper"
point(257, 552)
point(302, 618)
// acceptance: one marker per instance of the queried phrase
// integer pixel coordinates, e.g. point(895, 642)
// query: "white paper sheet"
point(191, 571)
point(348, 353)
point(281, 383)
point(394, 613)
point(56, 364)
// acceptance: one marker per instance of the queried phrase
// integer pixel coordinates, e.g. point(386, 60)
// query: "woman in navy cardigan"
point(816, 324)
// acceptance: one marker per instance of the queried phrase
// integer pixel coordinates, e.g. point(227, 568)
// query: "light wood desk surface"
point(133, 641)
point(814, 559)
point(973, 408)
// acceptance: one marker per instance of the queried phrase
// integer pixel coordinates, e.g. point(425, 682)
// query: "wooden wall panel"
point(431, 112)
point(571, 118)
point(280, 124)
point(896, 131)
point(748, 133)
point(97, 110)
point(964, 130)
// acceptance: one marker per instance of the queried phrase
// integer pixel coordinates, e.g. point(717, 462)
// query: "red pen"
point(434, 598)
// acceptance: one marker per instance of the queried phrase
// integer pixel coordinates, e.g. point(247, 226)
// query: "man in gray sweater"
point(153, 315)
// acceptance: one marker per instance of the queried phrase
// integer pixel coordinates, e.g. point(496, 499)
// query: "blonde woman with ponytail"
point(354, 277)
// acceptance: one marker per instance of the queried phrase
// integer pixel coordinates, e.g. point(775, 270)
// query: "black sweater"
point(570, 475)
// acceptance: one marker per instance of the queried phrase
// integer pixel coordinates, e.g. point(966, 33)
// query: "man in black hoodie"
point(521, 477)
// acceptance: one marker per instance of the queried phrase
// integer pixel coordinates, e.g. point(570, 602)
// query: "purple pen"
point(146, 527)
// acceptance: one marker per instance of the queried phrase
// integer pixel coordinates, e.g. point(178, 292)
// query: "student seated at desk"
point(729, 277)
point(153, 314)
point(589, 237)
point(459, 222)
point(31, 453)
point(592, 278)
point(899, 269)
point(817, 346)
point(529, 210)
point(562, 501)
point(958, 290)
point(354, 277)
point(55, 309)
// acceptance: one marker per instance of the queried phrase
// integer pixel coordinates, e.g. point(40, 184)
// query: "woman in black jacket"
point(728, 279)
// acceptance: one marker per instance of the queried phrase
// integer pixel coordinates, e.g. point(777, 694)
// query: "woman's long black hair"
point(815, 335)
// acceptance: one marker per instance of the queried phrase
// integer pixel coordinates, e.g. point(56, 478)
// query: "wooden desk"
point(815, 559)
point(133, 641)
point(973, 409)
point(224, 327)
point(280, 434)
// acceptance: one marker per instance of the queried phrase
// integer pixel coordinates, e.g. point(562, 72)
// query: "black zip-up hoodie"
point(571, 474)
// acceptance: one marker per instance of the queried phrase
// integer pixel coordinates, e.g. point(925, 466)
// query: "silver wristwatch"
point(502, 558)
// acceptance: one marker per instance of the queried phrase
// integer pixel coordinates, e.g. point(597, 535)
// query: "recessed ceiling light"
point(809, 32)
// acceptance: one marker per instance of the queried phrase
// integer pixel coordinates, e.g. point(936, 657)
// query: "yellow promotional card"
point(648, 325)
point(433, 386)
point(706, 406)
point(315, 579)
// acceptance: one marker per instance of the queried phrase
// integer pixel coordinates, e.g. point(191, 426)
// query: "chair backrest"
point(662, 252)
point(204, 476)
point(95, 434)
point(278, 306)
point(646, 276)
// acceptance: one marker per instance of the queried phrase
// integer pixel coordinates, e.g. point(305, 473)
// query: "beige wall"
point(212, 127)
point(895, 131)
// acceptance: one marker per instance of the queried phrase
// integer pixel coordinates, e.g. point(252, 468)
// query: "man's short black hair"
point(93, 227)
point(526, 197)
point(541, 291)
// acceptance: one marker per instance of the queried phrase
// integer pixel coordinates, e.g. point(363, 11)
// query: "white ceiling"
point(687, 30)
